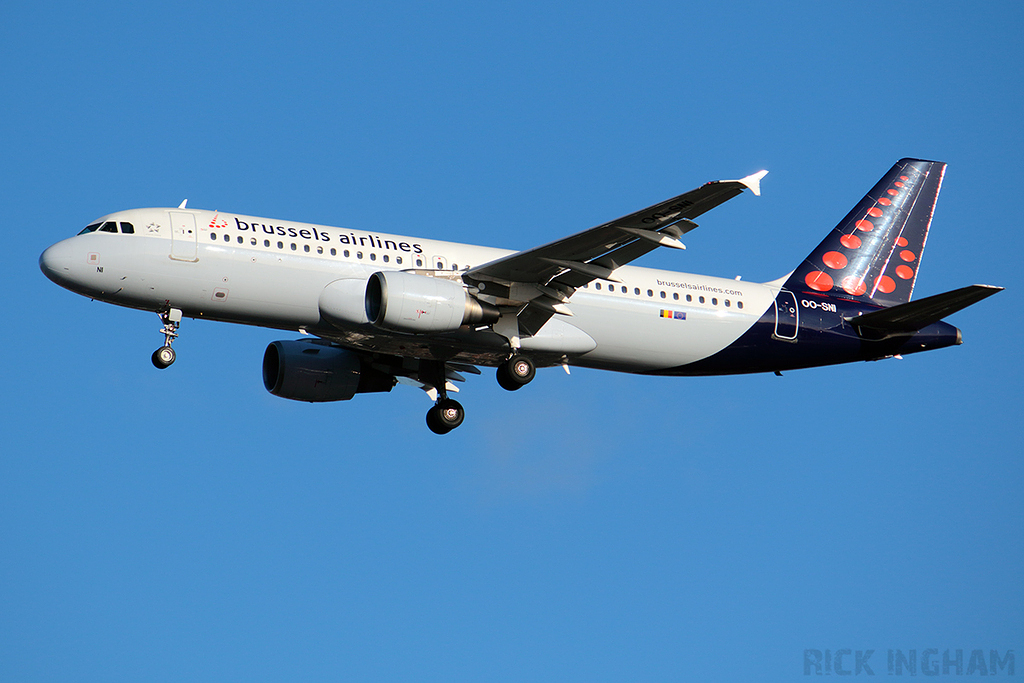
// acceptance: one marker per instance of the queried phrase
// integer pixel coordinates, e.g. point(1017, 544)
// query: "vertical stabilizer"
point(874, 253)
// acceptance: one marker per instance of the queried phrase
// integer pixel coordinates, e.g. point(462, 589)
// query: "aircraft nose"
point(55, 262)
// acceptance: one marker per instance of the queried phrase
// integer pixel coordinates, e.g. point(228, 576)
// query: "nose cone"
point(55, 263)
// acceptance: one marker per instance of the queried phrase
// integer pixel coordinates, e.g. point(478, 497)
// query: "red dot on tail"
point(874, 211)
point(854, 286)
point(834, 260)
point(901, 242)
point(907, 255)
point(866, 226)
point(903, 177)
point(885, 284)
point(850, 241)
point(884, 202)
point(819, 281)
point(898, 184)
point(904, 272)
point(893, 192)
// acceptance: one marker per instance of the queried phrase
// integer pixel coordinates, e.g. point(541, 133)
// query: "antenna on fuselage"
point(183, 203)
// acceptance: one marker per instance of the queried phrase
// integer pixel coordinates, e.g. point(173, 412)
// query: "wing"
point(540, 280)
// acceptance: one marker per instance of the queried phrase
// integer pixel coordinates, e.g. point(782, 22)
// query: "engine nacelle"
point(401, 301)
point(342, 302)
point(316, 371)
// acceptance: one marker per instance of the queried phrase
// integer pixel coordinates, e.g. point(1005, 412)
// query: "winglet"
point(753, 182)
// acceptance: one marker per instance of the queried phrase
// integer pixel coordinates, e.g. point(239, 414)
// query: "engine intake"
point(315, 371)
point(404, 302)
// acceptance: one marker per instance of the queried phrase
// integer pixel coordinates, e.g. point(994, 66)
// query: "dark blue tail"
point(874, 253)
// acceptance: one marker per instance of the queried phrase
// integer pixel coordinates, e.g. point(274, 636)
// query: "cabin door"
point(184, 236)
point(786, 316)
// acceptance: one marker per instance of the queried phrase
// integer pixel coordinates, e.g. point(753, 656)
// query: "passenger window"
point(650, 292)
point(419, 263)
point(213, 236)
point(455, 266)
point(597, 285)
point(359, 254)
point(305, 248)
point(700, 299)
point(386, 259)
point(280, 245)
point(675, 296)
point(109, 226)
point(373, 257)
point(689, 298)
point(739, 304)
point(347, 253)
point(252, 241)
point(727, 304)
point(624, 290)
point(663, 295)
point(334, 252)
point(128, 228)
point(319, 250)
point(398, 260)
point(266, 243)
point(714, 302)
point(636, 290)
point(227, 238)
point(241, 240)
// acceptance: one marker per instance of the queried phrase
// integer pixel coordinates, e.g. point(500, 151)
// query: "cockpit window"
point(109, 226)
point(90, 228)
point(128, 228)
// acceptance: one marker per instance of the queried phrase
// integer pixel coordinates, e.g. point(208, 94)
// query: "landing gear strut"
point(164, 356)
point(516, 372)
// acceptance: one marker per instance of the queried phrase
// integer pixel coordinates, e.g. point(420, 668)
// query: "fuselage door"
point(184, 236)
point(786, 316)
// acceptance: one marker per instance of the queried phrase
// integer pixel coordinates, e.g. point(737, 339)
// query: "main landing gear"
point(164, 356)
point(447, 413)
point(516, 372)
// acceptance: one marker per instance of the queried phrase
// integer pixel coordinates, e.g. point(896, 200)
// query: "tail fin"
point(874, 253)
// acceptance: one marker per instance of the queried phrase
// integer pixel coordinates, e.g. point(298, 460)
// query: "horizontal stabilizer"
point(915, 315)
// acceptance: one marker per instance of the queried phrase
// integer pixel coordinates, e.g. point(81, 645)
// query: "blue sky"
point(186, 525)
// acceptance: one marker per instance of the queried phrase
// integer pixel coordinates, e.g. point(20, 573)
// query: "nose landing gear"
point(164, 356)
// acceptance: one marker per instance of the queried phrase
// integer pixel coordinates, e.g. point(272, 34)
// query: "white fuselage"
point(271, 273)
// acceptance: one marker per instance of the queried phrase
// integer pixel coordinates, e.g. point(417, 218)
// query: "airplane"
point(381, 309)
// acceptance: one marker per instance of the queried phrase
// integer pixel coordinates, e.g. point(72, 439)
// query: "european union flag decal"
point(679, 315)
point(673, 315)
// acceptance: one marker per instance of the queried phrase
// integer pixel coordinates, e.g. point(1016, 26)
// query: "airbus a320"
point(379, 309)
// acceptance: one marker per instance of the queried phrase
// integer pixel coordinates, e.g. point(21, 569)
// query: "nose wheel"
point(446, 415)
point(516, 372)
point(164, 356)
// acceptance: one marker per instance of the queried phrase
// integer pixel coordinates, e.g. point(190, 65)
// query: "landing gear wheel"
point(445, 416)
point(163, 357)
point(516, 372)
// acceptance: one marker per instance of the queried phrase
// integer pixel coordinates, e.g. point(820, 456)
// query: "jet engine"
point(405, 302)
point(316, 371)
